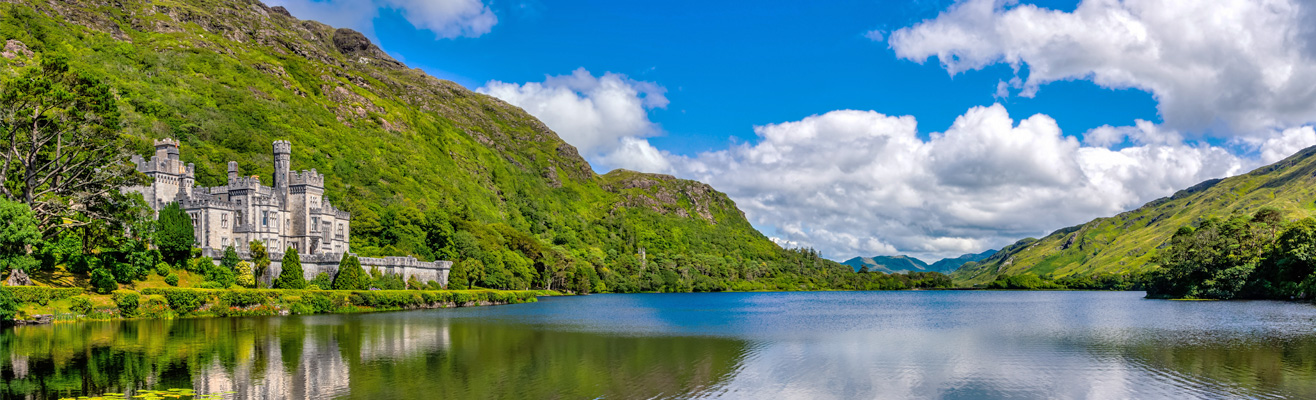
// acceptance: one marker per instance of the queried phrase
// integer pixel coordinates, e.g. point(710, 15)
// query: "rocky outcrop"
point(667, 195)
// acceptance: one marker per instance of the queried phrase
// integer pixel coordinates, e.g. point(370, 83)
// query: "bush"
point(350, 275)
point(127, 302)
point(103, 281)
point(8, 307)
point(80, 305)
point(291, 276)
point(220, 275)
point(163, 269)
point(171, 279)
point(153, 306)
point(182, 300)
point(243, 298)
point(17, 235)
point(209, 285)
point(243, 275)
point(322, 280)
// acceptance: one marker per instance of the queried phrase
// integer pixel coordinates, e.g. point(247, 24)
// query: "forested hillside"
point(1133, 243)
point(427, 167)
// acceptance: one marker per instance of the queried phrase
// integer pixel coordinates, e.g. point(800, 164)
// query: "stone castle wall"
point(314, 264)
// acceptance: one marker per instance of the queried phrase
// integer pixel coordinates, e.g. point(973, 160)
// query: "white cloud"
point(1234, 67)
point(862, 183)
point(446, 18)
point(1284, 144)
point(605, 117)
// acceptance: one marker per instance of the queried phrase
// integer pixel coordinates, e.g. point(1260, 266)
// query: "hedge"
point(185, 300)
point(40, 294)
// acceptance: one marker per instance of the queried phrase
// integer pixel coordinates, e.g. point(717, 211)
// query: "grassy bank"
point(74, 304)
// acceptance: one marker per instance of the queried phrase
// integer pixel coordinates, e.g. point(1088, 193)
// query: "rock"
point(350, 42)
point(18, 278)
point(281, 11)
point(14, 48)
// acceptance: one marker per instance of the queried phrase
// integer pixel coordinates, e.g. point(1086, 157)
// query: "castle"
point(292, 214)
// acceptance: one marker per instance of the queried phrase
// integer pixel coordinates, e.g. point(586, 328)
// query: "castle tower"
point(232, 172)
point(282, 163)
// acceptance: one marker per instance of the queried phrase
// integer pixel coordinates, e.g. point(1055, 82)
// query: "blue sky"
point(928, 128)
point(729, 66)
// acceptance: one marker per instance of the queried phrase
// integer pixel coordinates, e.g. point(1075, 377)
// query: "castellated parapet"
point(292, 214)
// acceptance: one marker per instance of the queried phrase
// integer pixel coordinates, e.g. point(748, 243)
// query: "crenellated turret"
point(282, 164)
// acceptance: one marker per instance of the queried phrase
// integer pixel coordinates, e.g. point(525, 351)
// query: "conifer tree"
point(291, 277)
point(350, 276)
point(174, 234)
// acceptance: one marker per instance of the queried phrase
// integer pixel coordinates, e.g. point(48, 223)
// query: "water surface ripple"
point(821, 345)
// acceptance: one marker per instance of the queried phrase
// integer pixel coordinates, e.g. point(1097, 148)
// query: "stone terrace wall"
point(314, 264)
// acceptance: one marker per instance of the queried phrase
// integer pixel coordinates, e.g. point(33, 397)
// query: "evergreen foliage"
point(350, 275)
point(322, 280)
point(8, 307)
point(1257, 256)
point(291, 276)
point(174, 234)
point(18, 233)
point(230, 259)
point(102, 280)
point(260, 260)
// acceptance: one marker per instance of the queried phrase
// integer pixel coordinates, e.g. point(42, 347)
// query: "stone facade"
point(293, 213)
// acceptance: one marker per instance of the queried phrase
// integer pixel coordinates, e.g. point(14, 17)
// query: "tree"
point(8, 307)
point(18, 233)
point(65, 155)
point(350, 275)
point(174, 234)
point(459, 276)
point(103, 281)
point(242, 275)
point(260, 260)
point(230, 259)
point(291, 276)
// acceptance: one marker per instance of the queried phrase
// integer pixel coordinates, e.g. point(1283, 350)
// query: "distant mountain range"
point(902, 263)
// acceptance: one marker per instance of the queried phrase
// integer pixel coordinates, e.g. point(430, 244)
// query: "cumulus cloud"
point(1234, 67)
point(862, 183)
point(606, 117)
point(446, 18)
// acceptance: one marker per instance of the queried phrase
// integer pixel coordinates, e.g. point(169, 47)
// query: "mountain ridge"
point(1127, 243)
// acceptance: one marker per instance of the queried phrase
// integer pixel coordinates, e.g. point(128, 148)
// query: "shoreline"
point(45, 305)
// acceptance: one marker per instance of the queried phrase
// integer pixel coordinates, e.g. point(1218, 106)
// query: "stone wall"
point(314, 264)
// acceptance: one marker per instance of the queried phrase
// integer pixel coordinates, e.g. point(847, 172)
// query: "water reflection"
point(760, 345)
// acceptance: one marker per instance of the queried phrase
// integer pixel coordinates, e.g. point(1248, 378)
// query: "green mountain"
point(888, 264)
point(948, 265)
point(426, 166)
point(1126, 243)
point(902, 263)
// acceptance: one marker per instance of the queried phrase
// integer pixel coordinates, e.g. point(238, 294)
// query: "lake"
point(814, 345)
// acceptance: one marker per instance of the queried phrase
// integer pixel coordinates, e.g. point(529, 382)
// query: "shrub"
point(209, 285)
point(182, 300)
point(153, 306)
point(8, 307)
point(291, 276)
point(322, 281)
point(200, 265)
point(80, 305)
point(103, 281)
point(163, 269)
point(221, 275)
point(243, 276)
point(350, 275)
point(313, 287)
point(127, 302)
point(243, 298)
point(17, 235)
point(171, 279)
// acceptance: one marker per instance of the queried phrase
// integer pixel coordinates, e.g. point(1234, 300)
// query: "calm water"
point(842, 345)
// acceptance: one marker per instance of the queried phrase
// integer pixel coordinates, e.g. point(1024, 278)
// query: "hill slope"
point(1127, 243)
point(426, 166)
point(888, 264)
